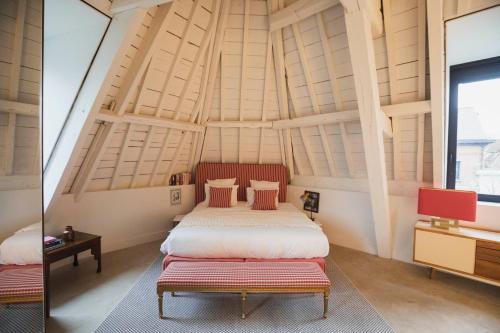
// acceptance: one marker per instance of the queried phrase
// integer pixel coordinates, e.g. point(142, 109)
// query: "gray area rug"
point(26, 318)
point(349, 311)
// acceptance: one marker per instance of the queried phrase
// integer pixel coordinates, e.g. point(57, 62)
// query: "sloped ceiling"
point(215, 65)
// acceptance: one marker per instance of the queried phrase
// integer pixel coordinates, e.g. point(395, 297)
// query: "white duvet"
point(240, 232)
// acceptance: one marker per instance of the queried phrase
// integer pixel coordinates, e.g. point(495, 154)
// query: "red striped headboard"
point(243, 173)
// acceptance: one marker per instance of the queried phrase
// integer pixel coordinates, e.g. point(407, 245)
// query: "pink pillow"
point(220, 197)
point(265, 200)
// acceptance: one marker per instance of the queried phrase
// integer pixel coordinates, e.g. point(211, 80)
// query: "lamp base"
point(444, 223)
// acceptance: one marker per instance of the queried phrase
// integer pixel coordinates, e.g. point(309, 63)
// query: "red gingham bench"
point(244, 278)
point(21, 284)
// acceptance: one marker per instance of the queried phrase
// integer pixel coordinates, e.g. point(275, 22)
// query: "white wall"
point(123, 218)
point(19, 209)
point(347, 219)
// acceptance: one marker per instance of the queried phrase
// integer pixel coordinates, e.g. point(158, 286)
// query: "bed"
point(240, 233)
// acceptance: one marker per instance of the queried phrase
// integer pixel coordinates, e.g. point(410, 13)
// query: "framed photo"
point(175, 197)
point(312, 202)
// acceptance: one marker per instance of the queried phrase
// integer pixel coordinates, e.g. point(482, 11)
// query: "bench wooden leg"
point(325, 303)
point(243, 304)
point(160, 305)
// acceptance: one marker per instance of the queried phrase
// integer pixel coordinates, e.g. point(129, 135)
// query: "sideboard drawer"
point(487, 269)
point(447, 251)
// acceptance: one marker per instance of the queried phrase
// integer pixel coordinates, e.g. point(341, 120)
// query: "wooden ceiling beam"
point(24, 109)
point(422, 55)
point(279, 69)
point(365, 82)
point(373, 11)
point(106, 115)
point(122, 5)
point(298, 11)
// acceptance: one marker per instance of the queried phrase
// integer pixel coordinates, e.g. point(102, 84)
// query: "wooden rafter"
point(365, 81)
point(106, 115)
point(351, 169)
point(421, 88)
point(263, 118)
point(121, 156)
point(246, 23)
point(91, 161)
point(312, 95)
point(393, 81)
point(279, 69)
point(142, 156)
point(436, 68)
point(19, 108)
point(142, 59)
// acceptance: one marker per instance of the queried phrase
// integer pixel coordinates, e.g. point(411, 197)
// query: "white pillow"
point(251, 196)
point(234, 194)
point(264, 185)
point(22, 248)
point(221, 182)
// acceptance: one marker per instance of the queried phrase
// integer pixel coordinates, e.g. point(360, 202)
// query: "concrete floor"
point(401, 293)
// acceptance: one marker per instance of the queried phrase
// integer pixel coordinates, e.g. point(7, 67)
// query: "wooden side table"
point(82, 242)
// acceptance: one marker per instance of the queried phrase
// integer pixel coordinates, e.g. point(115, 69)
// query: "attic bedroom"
point(250, 165)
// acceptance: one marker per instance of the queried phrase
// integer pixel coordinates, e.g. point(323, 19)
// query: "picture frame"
point(312, 202)
point(175, 197)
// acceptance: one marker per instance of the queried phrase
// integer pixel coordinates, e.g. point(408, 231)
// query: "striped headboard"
point(243, 173)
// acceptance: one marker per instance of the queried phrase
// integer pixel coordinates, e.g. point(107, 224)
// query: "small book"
point(54, 246)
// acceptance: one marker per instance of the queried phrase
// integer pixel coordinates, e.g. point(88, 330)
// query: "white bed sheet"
point(240, 232)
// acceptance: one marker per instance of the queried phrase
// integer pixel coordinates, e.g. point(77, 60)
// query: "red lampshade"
point(449, 204)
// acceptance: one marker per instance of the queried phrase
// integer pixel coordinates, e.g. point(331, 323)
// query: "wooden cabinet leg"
point(75, 259)
point(46, 280)
point(243, 304)
point(160, 305)
point(431, 272)
point(326, 296)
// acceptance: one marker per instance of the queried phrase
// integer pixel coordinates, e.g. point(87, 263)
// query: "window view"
point(478, 137)
point(69, 47)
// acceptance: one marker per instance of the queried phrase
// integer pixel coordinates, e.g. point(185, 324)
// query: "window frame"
point(485, 69)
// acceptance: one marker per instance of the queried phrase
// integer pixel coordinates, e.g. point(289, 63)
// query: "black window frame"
point(485, 69)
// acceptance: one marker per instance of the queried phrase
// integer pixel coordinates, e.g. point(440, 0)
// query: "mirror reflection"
point(21, 273)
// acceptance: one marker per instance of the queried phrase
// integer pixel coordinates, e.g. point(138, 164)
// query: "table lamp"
point(447, 207)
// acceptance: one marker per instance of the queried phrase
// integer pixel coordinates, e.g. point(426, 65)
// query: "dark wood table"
point(81, 242)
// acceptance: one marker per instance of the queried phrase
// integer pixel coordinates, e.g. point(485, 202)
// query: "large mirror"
point(21, 273)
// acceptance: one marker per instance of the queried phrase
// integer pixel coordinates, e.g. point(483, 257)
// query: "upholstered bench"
point(21, 284)
point(243, 278)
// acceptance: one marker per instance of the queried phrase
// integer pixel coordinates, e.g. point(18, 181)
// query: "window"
point(72, 33)
point(474, 128)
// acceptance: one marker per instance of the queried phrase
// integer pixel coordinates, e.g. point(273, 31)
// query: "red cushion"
point(450, 204)
point(243, 275)
point(220, 197)
point(265, 200)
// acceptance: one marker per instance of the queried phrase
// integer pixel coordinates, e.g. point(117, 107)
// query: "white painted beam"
point(365, 81)
point(20, 108)
point(436, 65)
point(298, 11)
point(372, 9)
point(121, 156)
point(317, 119)
point(407, 109)
point(124, 5)
point(108, 116)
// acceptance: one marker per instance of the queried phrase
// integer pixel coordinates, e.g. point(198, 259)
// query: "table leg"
point(431, 272)
point(96, 252)
point(46, 288)
point(75, 259)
